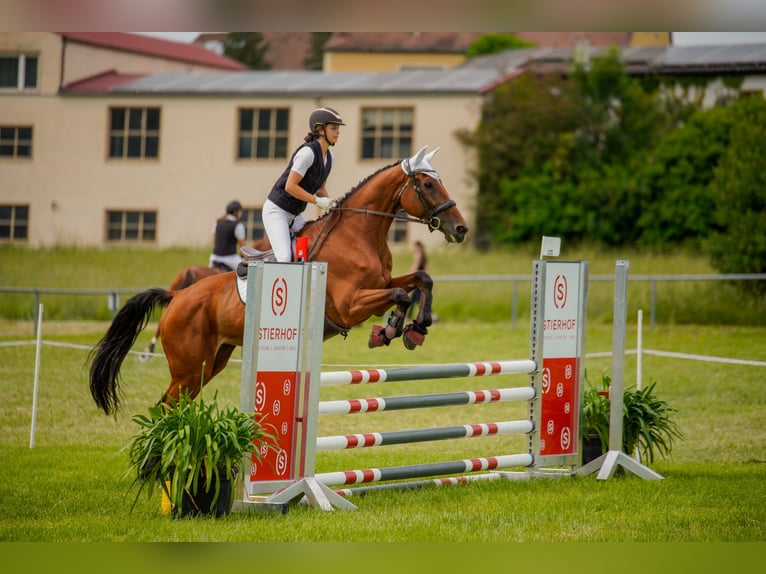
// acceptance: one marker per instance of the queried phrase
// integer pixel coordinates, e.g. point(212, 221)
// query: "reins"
point(431, 220)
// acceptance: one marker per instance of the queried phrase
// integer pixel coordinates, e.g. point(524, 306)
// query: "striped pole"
point(414, 484)
point(423, 470)
point(364, 440)
point(351, 406)
point(449, 370)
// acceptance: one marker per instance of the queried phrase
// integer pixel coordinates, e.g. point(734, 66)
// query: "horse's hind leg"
point(191, 379)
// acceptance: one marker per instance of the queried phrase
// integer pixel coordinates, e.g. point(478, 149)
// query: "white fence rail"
point(113, 295)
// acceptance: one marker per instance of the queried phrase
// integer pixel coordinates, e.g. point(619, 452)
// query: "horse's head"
point(426, 198)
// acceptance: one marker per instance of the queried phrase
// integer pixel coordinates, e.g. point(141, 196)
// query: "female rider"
point(302, 182)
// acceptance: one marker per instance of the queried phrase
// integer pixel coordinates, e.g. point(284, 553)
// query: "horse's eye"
point(429, 184)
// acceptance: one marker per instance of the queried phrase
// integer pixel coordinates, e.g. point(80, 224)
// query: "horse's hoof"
point(413, 337)
point(378, 337)
point(143, 357)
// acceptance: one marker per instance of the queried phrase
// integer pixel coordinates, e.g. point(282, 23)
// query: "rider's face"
point(331, 133)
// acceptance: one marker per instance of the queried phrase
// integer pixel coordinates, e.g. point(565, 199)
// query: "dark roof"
point(155, 47)
point(310, 83)
point(431, 42)
point(477, 75)
point(736, 58)
point(708, 60)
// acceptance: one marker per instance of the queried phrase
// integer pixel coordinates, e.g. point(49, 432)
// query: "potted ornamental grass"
point(648, 425)
point(193, 448)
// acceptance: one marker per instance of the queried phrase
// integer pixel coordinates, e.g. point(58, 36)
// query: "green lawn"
point(71, 487)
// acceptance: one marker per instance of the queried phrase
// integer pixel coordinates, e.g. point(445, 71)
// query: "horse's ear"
point(431, 155)
point(415, 163)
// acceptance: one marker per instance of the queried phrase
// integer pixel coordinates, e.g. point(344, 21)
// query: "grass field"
point(71, 486)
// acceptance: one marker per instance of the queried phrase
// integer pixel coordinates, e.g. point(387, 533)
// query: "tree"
point(564, 152)
point(494, 43)
point(524, 124)
point(677, 205)
point(739, 191)
point(248, 48)
point(315, 58)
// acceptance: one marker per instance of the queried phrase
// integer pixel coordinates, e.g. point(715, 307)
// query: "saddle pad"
point(241, 287)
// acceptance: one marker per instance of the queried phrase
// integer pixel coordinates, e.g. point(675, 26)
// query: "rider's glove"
point(325, 203)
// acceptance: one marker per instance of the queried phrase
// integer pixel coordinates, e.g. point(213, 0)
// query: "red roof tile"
point(100, 83)
point(192, 53)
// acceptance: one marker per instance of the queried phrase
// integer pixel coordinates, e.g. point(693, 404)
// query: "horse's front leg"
point(415, 332)
point(376, 302)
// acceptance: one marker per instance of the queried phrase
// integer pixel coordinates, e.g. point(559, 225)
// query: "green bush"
point(739, 192)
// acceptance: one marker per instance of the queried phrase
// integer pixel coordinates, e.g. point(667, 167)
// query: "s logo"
point(279, 297)
point(560, 291)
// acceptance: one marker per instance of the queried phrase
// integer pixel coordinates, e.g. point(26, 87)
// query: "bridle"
point(431, 220)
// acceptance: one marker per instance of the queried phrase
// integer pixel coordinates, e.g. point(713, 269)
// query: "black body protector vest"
point(311, 182)
point(225, 241)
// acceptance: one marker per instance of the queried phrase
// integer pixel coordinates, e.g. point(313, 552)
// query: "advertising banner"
point(563, 332)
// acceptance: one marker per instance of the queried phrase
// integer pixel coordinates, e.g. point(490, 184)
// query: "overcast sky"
point(679, 38)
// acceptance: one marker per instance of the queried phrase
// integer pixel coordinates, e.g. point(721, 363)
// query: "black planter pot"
point(202, 501)
point(591, 448)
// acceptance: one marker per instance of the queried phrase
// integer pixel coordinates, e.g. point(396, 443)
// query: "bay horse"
point(183, 279)
point(204, 323)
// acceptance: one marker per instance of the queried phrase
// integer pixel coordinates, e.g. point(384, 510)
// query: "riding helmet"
point(323, 116)
point(233, 206)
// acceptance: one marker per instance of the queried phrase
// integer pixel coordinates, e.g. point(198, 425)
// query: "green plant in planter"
point(647, 422)
point(193, 445)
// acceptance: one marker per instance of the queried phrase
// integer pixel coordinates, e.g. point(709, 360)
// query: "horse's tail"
point(106, 358)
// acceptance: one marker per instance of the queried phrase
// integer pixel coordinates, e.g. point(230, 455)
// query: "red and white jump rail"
point(378, 404)
point(449, 370)
point(341, 442)
point(421, 470)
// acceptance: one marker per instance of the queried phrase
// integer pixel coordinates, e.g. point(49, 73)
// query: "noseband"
point(431, 218)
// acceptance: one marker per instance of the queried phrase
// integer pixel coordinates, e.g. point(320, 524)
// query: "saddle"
point(252, 254)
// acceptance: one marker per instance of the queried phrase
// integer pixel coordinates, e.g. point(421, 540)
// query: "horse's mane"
point(357, 187)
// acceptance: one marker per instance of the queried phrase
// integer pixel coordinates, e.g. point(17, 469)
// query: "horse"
point(203, 323)
point(183, 279)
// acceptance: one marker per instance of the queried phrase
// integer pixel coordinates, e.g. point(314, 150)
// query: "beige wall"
point(47, 46)
point(69, 183)
point(387, 62)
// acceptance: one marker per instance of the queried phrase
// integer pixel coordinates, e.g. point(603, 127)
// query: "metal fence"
point(653, 280)
point(515, 280)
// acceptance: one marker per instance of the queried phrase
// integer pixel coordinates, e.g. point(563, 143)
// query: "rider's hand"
point(325, 203)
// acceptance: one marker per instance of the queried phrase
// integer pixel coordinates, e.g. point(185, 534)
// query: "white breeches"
point(279, 224)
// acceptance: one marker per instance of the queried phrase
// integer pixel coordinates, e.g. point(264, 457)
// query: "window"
point(131, 226)
point(253, 220)
point(14, 223)
point(15, 142)
point(386, 133)
point(134, 133)
point(18, 72)
point(398, 231)
point(263, 133)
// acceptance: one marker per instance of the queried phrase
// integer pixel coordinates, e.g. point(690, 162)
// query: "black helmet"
point(322, 116)
point(233, 206)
